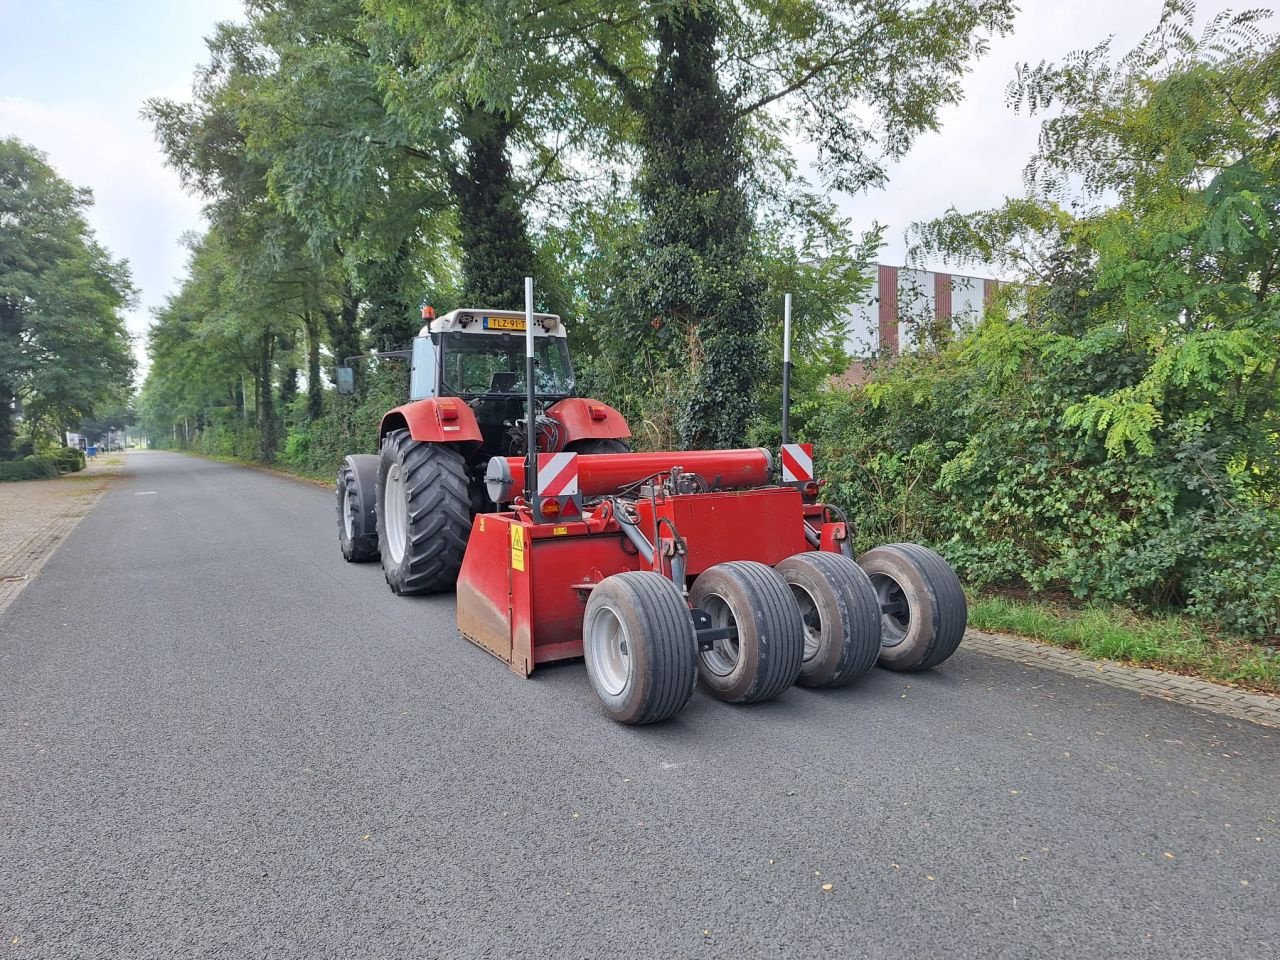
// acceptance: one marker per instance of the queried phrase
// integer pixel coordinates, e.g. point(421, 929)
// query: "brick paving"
point(37, 515)
point(1201, 694)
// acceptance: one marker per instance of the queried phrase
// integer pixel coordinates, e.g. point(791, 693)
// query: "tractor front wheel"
point(765, 656)
point(357, 481)
point(841, 617)
point(923, 612)
point(424, 514)
point(639, 646)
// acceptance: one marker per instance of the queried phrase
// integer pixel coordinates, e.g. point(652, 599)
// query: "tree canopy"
point(64, 348)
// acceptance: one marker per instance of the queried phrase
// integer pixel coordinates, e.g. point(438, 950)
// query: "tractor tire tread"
point(598, 445)
point(439, 516)
point(358, 549)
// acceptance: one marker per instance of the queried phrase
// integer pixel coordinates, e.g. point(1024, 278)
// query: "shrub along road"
point(220, 740)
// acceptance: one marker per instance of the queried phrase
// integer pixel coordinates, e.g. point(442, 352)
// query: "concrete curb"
point(1201, 694)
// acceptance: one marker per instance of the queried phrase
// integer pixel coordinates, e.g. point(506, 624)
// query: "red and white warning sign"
point(557, 474)
point(797, 462)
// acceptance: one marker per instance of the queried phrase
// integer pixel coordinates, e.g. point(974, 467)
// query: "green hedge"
point(941, 451)
point(28, 468)
point(69, 459)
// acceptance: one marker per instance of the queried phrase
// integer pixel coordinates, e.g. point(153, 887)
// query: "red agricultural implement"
point(655, 568)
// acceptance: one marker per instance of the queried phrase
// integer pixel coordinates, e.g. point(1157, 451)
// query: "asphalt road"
point(219, 740)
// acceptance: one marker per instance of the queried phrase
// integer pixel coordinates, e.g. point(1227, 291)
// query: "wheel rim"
point(348, 511)
point(723, 656)
point(893, 625)
point(812, 620)
point(396, 513)
point(608, 650)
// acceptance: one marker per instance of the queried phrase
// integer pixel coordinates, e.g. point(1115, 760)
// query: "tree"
point(686, 84)
point(1118, 436)
point(64, 349)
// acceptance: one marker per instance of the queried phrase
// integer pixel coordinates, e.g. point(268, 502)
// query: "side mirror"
point(346, 381)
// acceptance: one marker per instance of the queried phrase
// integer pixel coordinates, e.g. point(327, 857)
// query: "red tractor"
point(413, 502)
point(657, 569)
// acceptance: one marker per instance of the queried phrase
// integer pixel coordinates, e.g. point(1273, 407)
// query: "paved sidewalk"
point(37, 515)
point(1214, 697)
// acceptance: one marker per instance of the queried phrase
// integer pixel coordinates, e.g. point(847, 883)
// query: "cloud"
point(977, 157)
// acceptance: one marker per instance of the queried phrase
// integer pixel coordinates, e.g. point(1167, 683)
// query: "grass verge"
point(1107, 632)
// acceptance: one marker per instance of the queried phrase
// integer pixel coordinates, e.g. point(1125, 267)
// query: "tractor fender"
point(434, 420)
point(585, 419)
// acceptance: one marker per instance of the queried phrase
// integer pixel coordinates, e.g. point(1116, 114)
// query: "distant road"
point(219, 740)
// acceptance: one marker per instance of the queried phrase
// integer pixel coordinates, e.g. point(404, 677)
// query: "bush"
point(69, 459)
point(348, 425)
point(28, 468)
point(970, 451)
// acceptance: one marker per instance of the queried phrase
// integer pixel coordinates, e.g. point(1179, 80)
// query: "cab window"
point(422, 375)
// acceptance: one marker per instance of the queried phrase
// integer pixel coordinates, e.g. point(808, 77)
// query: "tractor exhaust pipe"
point(531, 422)
point(786, 368)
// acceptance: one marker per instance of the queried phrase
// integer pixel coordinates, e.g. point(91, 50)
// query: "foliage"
point(68, 459)
point(1105, 631)
point(693, 272)
point(64, 350)
point(28, 468)
point(349, 424)
point(1110, 427)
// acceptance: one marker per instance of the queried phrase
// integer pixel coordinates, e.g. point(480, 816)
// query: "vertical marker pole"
point(786, 368)
point(531, 467)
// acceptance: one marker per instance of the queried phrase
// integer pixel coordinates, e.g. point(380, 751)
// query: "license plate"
point(503, 323)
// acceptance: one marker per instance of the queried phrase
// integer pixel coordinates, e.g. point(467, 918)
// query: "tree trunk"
point(266, 396)
point(392, 314)
point(315, 389)
point(344, 326)
point(698, 283)
point(496, 252)
point(8, 391)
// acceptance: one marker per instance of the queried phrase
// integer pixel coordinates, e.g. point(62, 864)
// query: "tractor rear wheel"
point(640, 648)
point(356, 508)
point(599, 446)
point(841, 617)
point(765, 657)
point(923, 609)
point(424, 514)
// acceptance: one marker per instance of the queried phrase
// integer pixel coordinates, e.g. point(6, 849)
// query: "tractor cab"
point(479, 357)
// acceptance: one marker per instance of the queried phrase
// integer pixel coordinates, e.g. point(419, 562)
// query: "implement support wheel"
point(640, 648)
point(765, 657)
point(841, 617)
point(923, 609)
point(424, 514)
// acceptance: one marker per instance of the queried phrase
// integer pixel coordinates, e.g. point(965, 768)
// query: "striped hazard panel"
point(557, 474)
point(797, 462)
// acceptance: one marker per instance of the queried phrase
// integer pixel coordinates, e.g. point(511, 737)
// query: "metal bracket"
point(706, 633)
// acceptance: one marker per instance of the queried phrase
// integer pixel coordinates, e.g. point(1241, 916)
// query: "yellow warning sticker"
point(559, 531)
point(517, 547)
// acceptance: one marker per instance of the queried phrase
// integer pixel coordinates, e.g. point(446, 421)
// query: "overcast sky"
point(74, 75)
